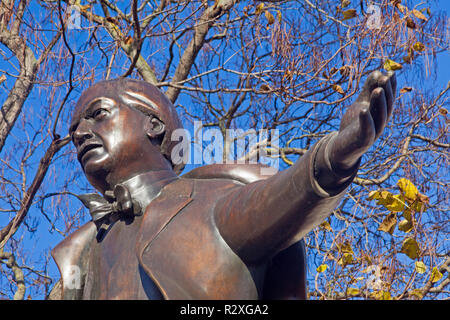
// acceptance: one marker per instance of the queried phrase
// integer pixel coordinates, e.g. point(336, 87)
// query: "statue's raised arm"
point(263, 218)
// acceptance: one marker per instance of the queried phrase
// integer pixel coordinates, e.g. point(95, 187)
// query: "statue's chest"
point(119, 243)
point(120, 273)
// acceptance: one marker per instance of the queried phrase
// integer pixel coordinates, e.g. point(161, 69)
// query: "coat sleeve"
point(264, 217)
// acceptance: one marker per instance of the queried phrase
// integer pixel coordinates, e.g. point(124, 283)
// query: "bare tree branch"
point(17, 271)
point(198, 39)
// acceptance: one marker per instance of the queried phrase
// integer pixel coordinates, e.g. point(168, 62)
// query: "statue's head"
point(122, 128)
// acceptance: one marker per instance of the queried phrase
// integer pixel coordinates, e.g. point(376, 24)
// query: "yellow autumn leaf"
point(84, 8)
point(443, 111)
point(259, 8)
point(389, 223)
point(391, 65)
point(345, 247)
point(367, 259)
point(385, 295)
point(405, 89)
point(345, 3)
point(383, 197)
point(269, 17)
point(419, 46)
point(396, 203)
point(349, 14)
point(436, 275)
point(407, 215)
point(337, 88)
point(410, 248)
point(418, 206)
point(326, 225)
point(321, 268)
point(417, 292)
point(352, 291)
point(408, 189)
point(420, 267)
point(377, 195)
point(346, 259)
point(372, 195)
point(2, 78)
point(381, 295)
point(419, 14)
point(401, 7)
point(405, 226)
point(279, 15)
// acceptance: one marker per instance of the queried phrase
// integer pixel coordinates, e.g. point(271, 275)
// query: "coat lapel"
point(71, 254)
point(71, 257)
point(173, 198)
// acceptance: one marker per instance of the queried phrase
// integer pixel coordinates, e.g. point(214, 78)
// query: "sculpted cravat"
point(116, 203)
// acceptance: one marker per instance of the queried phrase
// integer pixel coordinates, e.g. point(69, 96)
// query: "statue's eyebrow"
point(106, 102)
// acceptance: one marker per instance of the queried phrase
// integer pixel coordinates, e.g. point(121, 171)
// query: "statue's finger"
point(378, 110)
point(371, 83)
point(367, 131)
point(393, 80)
point(385, 83)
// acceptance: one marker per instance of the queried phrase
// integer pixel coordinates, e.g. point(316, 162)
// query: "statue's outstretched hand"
point(364, 121)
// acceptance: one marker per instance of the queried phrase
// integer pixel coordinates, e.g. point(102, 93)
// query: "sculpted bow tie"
point(117, 203)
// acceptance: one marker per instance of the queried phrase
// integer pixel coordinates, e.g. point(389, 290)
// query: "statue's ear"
point(154, 127)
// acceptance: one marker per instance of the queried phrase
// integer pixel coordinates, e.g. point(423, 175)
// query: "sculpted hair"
point(149, 100)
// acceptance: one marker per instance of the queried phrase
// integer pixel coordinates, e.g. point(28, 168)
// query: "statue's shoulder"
point(216, 180)
point(77, 240)
point(236, 173)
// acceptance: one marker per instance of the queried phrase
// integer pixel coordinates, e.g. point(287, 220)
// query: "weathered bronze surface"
point(219, 231)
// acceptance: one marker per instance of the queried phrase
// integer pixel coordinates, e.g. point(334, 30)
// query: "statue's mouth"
point(85, 148)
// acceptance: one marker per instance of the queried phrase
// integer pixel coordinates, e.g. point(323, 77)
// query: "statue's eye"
point(99, 113)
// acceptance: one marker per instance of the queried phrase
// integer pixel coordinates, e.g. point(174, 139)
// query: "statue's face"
point(110, 137)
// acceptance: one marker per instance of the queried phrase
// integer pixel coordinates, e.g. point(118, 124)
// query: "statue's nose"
point(82, 133)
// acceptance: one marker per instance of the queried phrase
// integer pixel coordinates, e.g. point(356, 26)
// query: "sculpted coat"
point(210, 238)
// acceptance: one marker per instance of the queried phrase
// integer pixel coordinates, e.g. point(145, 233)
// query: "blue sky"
point(444, 58)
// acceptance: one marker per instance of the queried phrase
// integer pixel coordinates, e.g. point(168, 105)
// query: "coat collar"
point(145, 187)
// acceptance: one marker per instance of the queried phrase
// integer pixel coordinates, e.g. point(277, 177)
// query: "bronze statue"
point(217, 232)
